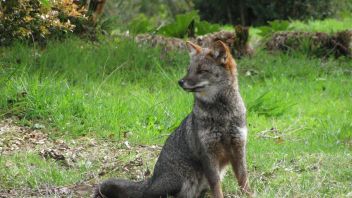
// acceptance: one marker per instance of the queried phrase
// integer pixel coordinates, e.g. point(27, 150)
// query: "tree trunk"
point(229, 14)
point(96, 8)
point(242, 9)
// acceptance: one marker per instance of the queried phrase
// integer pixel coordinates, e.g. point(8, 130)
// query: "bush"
point(272, 27)
point(184, 25)
point(37, 20)
point(259, 12)
point(188, 25)
point(141, 24)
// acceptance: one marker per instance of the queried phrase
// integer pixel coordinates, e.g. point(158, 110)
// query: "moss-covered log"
point(312, 43)
point(237, 41)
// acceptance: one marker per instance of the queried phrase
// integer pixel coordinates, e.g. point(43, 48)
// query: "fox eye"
point(203, 71)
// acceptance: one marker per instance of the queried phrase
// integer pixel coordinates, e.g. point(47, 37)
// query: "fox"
point(194, 157)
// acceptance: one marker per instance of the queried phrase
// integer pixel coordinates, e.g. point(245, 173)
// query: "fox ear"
point(221, 52)
point(193, 48)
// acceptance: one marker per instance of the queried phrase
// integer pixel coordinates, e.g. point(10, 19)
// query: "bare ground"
point(109, 157)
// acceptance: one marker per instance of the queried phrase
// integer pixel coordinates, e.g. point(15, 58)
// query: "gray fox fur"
point(212, 136)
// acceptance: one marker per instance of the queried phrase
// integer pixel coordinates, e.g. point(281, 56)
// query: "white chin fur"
point(208, 94)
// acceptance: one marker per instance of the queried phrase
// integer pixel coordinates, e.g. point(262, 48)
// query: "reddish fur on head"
point(194, 48)
point(221, 53)
point(225, 57)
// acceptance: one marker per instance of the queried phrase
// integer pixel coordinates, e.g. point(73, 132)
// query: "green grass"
point(30, 170)
point(326, 25)
point(84, 88)
point(104, 90)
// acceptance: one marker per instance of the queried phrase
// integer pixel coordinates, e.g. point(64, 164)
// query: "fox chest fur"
point(214, 128)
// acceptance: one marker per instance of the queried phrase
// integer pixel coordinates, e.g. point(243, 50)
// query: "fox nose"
point(181, 82)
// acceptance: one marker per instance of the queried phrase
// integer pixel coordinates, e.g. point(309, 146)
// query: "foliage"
point(180, 26)
point(258, 12)
point(140, 24)
point(292, 9)
point(160, 9)
point(133, 14)
point(188, 24)
point(272, 27)
point(37, 20)
point(204, 27)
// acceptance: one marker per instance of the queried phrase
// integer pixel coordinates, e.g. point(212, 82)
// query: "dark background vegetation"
point(40, 19)
point(245, 12)
point(259, 12)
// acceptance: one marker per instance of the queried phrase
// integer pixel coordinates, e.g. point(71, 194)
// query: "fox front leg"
point(211, 171)
point(239, 166)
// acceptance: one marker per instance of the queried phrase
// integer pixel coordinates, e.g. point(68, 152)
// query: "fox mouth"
point(194, 89)
point(198, 87)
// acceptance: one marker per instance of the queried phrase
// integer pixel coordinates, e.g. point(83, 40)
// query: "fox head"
point(210, 71)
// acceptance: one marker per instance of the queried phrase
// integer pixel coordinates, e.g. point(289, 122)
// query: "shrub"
point(141, 24)
point(37, 20)
point(259, 12)
point(272, 27)
point(188, 24)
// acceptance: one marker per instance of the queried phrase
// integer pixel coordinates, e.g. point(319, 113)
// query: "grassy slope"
point(105, 90)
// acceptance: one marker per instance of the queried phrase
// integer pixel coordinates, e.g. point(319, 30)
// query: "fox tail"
point(118, 188)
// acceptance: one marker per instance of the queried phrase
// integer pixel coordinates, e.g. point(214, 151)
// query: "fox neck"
point(224, 99)
point(211, 95)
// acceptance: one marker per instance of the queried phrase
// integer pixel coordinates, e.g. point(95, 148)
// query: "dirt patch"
point(14, 138)
point(110, 158)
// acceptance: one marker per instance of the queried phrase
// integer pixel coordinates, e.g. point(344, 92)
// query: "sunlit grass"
point(326, 25)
